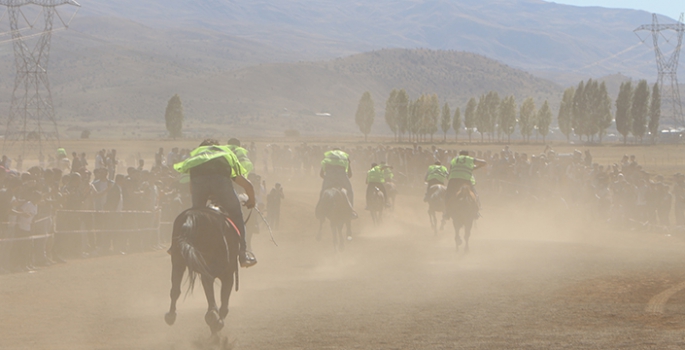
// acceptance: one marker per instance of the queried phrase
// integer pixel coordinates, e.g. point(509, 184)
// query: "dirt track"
point(527, 284)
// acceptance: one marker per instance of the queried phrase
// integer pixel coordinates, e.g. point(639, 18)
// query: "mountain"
point(538, 36)
point(277, 96)
point(274, 64)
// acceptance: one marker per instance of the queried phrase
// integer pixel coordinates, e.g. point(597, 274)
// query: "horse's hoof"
point(349, 238)
point(214, 321)
point(218, 326)
point(170, 318)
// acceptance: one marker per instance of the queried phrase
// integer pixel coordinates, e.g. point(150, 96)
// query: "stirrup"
point(248, 260)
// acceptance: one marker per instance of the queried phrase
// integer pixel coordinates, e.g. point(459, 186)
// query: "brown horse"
point(207, 244)
point(463, 210)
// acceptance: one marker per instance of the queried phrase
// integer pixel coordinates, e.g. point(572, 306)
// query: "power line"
point(31, 120)
point(667, 65)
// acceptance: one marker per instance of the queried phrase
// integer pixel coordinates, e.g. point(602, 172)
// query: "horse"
point(463, 210)
point(436, 203)
point(207, 244)
point(334, 206)
point(376, 204)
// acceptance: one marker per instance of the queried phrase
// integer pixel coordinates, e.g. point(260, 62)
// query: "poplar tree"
point(507, 116)
point(544, 120)
point(365, 114)
point(456, 123)
point(481, 117)
point(655, 112)
point(402, 108)
point(470, 116)
point(432, 115)
point(603, 111)
point(639, 109)
point(174, 117)
point(446, 121)
point(623, 115)
point(391, 112)
point(492, 111)
point(578, 122)
point(565, 113)
point(527, 118)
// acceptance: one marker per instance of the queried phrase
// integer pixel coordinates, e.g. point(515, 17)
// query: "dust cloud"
point(538, 275)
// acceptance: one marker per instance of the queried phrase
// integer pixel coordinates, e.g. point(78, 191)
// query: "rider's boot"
point(247, 259)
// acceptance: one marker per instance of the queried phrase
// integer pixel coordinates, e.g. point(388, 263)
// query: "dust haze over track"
point(534, 279)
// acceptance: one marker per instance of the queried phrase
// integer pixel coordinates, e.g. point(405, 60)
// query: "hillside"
point(277, 96)
point(538, 36)
point(273, 64)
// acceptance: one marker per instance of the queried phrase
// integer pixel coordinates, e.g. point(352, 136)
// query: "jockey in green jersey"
point(461, 172)
point(213, 169)
point(436, 175)
point(375, 178)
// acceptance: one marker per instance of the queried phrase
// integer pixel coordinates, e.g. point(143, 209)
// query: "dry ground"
point(535, 279)
point(530, 282)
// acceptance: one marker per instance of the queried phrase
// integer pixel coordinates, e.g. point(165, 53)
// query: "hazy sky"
point(670, 8)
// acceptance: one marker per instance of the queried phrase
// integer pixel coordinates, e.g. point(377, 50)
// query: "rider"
point(336, 171)
point(241, 153)
point(387, 172)
point(436, 175)
point(211, 168)
point(461, 172)
point(375, 178)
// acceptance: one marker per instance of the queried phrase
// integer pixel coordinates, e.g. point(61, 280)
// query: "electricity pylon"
point(31, 119)
point(667, 65)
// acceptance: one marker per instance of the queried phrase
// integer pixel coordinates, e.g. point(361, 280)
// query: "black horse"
point(334, 206)
point(205, 243)
point(376, 203)
point(463, 210)
point(436, 204)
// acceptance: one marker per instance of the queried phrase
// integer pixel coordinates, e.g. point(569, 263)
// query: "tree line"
point(585, 111)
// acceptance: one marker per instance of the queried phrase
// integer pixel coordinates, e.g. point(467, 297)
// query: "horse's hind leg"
point(212, 316)
point(348, 224)
point(178, 268)
point(467, 235)
point(226, 287)
point(457, 238)
point(433, 219)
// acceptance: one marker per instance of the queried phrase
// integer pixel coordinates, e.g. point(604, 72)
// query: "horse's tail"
point(187, 226)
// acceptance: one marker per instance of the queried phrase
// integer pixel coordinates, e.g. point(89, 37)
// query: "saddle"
point(228, 220)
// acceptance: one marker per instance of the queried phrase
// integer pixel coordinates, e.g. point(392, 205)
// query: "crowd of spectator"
point(69, 208)
point(81, 205)
point(622, 193)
